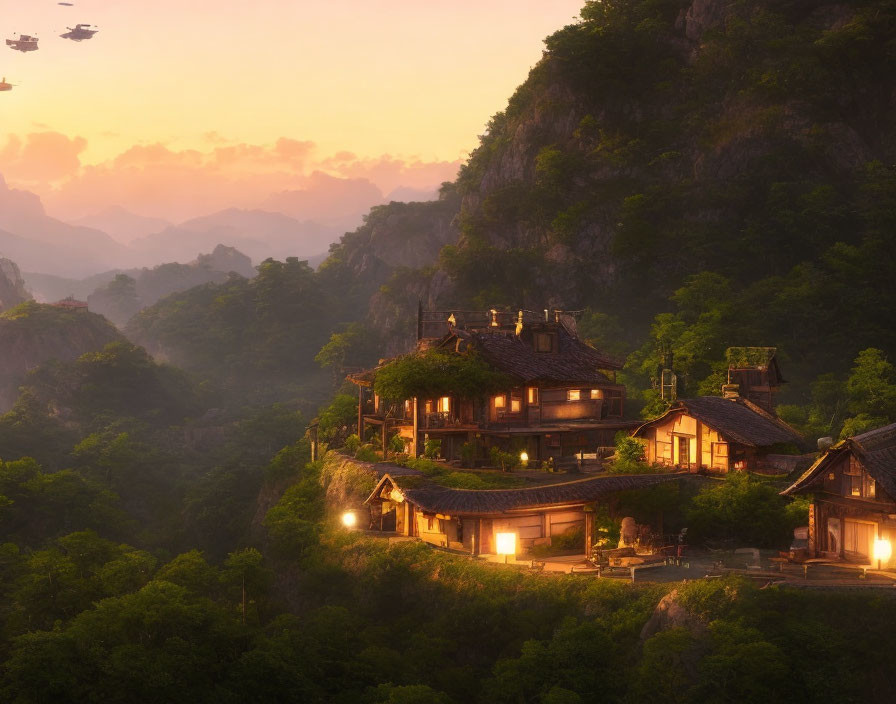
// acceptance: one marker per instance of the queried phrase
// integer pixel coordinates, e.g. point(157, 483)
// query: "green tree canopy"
point(435, 373)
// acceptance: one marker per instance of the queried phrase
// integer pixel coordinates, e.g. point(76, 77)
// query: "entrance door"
point(389, 520)
point(858, 539)
point(681, 446)
point(834, 535)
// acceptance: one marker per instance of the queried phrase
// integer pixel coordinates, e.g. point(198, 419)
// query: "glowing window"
point(533, 395)
point(444, 404)
point(573, 395)
point(597, 393)
point(516, 405)
point(500, 401)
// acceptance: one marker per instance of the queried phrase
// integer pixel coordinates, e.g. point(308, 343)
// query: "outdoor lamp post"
point(882, 550)
point(505, 544)
point(350, 519)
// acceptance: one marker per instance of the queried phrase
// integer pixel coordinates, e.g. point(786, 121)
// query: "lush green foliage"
point(436, 373)
point(747, 510)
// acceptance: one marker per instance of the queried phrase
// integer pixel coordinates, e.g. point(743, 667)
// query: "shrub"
point(352, 443)
point(396, 443)
point(743, 509)
point(366, 453)
point(628, 449)
point(505, 460)
point(432, 448)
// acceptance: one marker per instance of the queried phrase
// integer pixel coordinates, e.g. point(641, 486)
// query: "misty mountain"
point(12, 286)
point(406, 194)
point(122, 224)
point(37, 242)
point(132, 291)
point(338, 203)
point(256, 233)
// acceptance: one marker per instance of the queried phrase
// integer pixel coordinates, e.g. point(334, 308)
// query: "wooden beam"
point(361, 413)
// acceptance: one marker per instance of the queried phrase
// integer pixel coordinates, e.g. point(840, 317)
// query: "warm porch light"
point(349, 519)
point(524, 458)
point(505, 544)
point(882, 550)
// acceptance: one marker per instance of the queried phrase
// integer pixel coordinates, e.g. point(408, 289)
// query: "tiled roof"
point(574, 361)
point(876, 450)
point(435, 499)
point(736, 419)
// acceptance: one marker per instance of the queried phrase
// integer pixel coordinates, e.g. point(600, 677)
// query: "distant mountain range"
point(299, 223)
point(256, 233)
point(35, 241)
point(123, 225)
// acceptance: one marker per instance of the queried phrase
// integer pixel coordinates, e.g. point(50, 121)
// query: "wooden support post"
point(475, 531)
point(361, 412)
point(589, 532)
point(415, 442)
point(383, 434)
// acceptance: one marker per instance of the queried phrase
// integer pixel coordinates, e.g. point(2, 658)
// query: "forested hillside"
point(695, 175)
point(692, 175)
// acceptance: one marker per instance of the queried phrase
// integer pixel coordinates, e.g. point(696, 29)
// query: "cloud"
point(177, 184)
point(390, 172)
point(43, 157)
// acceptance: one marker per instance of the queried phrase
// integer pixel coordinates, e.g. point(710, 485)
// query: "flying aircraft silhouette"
point(24, 43)
point(79, 33)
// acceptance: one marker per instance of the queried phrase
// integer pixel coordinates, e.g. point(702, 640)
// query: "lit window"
point(597, 393)
point(573, 395)
point(533, 395)
point(444, 404)
point(516, 405)
point(500, 401)
point(831, 476)
point(428, 407)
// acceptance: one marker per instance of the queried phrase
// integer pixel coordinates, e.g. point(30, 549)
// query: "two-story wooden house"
point(561, 400)
point(853, 491)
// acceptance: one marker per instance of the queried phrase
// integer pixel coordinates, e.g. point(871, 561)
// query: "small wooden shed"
point(717, 434)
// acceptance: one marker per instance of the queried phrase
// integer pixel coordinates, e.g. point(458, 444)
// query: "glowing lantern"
point(524, 458)
point(349, 519)
point(882, 550)
point(505, 544)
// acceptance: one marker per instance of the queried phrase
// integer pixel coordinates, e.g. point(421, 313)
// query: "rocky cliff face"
point(12, 286)
point(656, 140)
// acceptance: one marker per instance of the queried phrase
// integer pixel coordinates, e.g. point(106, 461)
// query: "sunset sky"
point(269, 86)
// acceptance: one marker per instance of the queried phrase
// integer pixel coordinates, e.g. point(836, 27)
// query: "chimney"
point(731, 391)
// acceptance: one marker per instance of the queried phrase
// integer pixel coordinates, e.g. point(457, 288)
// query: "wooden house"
point(470, 520)
point(754, 374)
point(562, 399)
point(853, 491)
point(716, 434)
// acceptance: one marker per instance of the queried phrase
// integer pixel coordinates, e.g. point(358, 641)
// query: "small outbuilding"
point(471, 520)
point(716, 434)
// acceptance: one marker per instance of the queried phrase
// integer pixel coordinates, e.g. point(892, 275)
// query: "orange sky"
point(413, 79)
